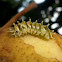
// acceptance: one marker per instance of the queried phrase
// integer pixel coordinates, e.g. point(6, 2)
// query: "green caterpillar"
point(35, 28)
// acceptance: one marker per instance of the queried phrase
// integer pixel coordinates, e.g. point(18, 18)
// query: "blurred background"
point(49, 11)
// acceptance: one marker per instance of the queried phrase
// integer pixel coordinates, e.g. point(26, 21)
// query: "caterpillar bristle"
point(38, 29)
point(12, 31)
point(29, 23)
point(42, 23)
point(29, 19)
point(17, 21)
point(47, 25)
point(36, 21)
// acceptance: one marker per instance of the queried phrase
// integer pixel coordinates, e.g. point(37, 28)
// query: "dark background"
point(8, 8)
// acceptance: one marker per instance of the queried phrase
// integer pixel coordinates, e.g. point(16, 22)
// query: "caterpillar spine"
point(35, 28)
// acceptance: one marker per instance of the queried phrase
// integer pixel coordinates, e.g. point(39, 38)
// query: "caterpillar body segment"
point(43, 32)
point(38, 29)
point(16, 27)
point(37, 26)
point(29, 23)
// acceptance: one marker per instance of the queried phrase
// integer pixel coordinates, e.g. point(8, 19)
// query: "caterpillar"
point(38, 29)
